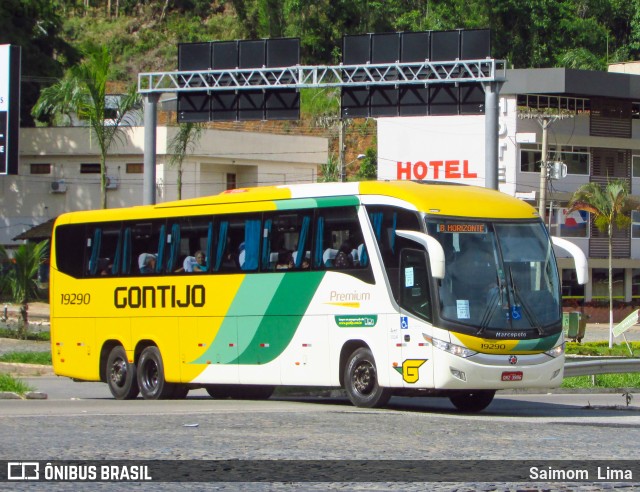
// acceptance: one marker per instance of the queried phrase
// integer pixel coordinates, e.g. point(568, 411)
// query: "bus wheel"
point(151, 380)
point(220, 391)
point(180, 391)
point(121, 375)
point(252, 392)
point(472, 401)
point(361, 381)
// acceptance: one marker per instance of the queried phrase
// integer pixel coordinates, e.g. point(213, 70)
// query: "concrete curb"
point(30, 395)
point(24, 370)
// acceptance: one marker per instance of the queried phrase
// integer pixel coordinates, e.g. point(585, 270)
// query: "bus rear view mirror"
point(579, 258)
point(433, 247)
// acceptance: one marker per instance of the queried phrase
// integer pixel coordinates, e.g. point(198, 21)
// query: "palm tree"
point(182, 144)
point(22, 278)
point(608, 205)
point(83, 91)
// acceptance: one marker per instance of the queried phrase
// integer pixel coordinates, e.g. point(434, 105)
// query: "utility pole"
point(343, 168)
point(544, 121)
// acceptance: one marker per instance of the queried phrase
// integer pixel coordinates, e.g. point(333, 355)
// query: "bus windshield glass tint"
point(499, 276)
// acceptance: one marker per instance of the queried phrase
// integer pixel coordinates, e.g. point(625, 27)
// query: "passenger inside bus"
point(195, 263)
point(344, 258)
point(285, 260)
point(147, 263)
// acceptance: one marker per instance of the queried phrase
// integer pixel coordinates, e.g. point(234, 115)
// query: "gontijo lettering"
point(163, 296)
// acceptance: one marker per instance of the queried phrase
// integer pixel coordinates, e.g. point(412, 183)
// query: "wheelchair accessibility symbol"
point(404, 322)
point(515, 312)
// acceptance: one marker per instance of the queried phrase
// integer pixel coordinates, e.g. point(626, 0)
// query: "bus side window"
point(287, 240)
point(339, 243)
point(71, 257)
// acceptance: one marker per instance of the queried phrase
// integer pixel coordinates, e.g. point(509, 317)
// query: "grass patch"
point(622, 381)
point(9, 383)
point(42, 336)
point(42, 358)
point(602, 349)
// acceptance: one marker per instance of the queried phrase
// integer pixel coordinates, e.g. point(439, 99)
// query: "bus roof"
point(438, 199)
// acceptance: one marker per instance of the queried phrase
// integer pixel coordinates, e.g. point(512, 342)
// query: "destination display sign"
point(471, 227)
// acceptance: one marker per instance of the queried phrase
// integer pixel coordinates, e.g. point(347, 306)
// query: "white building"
point(597, 137)
point(59, 170)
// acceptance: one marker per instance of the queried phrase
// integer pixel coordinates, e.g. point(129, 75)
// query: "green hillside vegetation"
point(143, 35)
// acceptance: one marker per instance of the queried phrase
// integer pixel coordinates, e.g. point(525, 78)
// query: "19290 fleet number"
point(493, 346)
point(75, 299)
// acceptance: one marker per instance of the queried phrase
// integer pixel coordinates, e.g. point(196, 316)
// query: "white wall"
point(256, 159)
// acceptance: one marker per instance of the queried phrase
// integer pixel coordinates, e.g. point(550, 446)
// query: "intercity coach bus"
point(382, 288)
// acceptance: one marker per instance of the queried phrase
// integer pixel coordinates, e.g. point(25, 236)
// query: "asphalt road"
point(80, 421)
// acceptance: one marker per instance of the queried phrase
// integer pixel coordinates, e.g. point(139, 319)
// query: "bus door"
point(414, 299)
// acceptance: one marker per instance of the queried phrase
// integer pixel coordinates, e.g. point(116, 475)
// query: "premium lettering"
point(159, 296)
point(336, 296)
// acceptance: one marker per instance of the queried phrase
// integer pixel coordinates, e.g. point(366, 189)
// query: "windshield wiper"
point(530, 315)
point(490, 310)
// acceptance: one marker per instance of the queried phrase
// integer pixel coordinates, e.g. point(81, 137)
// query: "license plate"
point(512, 376)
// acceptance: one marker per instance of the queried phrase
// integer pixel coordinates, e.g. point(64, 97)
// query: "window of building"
point(635, 282)
point(576, 158)
point(635, 224)
point(231, 181)
point(40, 168)
point(600, 282)
point(530, 157)
point(90, 168)
point(570, 286)
point(135, 168)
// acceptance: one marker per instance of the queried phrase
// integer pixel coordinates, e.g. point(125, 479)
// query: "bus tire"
point(252, 392)
point(240, 392)
point(121, 375)
point(472, 401)
point(361, 380)
point(151, 381)
point(219, 391)
point(180, 391)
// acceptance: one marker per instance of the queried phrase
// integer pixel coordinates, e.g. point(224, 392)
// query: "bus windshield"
point(499, 276)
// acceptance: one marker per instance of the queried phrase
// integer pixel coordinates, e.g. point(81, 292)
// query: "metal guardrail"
point(596, 365)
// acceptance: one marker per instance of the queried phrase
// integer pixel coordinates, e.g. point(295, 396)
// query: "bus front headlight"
point(556, 351)
point(452, 348)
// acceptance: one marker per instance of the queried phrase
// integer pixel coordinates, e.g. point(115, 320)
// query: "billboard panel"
point(443, 148)
point(9, 108)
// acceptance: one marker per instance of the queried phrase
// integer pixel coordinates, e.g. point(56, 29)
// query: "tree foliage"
point(21, 280)
point(83, 91)
point(609, 206)
point(36, 26)
point(181, 145)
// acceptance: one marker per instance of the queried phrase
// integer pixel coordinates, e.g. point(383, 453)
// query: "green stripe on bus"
point(541, 344)
point(320, 202)
point(282, 318)
point(250, 303)
point(262, 318)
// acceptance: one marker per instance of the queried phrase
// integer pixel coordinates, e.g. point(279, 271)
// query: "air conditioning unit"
point(112, 183)
point(58, 186)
